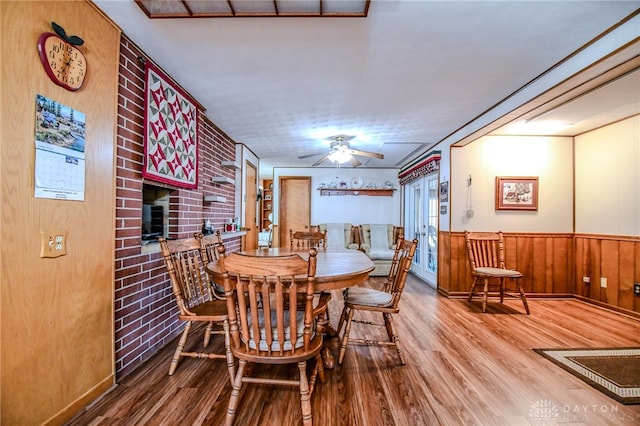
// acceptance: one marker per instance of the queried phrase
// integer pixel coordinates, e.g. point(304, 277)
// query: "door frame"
point(420, 265)
point(250, 219)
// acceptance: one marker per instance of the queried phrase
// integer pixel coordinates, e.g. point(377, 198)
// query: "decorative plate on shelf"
point(270, 217)
point(357, 182)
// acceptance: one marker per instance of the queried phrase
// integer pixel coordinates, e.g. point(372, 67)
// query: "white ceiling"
point(400, 80)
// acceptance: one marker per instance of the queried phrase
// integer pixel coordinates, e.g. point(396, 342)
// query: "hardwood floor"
point(463, 368)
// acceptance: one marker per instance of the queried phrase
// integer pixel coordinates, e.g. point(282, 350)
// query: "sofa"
point(378, 241)
point(340, 235)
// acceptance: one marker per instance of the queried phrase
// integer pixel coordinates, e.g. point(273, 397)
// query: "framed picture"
point(516, 193)
point(444, 192)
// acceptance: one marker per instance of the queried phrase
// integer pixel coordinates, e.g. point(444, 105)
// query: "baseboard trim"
point(80, 404)
point(616, 309)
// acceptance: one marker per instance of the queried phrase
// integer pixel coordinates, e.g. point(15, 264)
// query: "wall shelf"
point(230, 164)
point(222, 179)
point(343, 191)
point(266, 204)
point(214, 199)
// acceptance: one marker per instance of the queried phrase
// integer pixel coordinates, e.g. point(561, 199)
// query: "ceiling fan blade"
point(320, 160)
point(310, 155)
point(367, 154)
point(355, 162)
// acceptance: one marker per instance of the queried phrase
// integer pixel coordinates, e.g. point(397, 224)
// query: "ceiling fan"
point(340, 152)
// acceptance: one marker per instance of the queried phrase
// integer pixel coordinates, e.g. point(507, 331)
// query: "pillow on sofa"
point(380, 244)
point(336, 235)
point(339, 235)
point(379, 237)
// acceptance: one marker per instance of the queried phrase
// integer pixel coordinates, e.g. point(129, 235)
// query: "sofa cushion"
point(381, 254)
point(379, 237)
point(338, 235)
point(366, 231)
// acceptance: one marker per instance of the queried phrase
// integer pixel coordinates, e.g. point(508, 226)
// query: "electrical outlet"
point(53, 243)
point(586, 280)
point(603, 282)
point(636, 289)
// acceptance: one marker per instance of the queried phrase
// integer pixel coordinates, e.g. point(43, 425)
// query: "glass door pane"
point(414, 207)
point(421, 223)
point(432, 229)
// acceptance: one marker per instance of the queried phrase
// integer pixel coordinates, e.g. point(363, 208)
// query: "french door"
point(421, 222)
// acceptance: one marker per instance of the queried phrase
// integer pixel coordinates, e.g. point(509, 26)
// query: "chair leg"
point(345, 336)
point(178, 353)
point(326, 312)
point(393, 336)
point(207, 334)
point(305, 399)
point(473, 287)
point(524, 299)
point(320, 367)
point(501, 290)
point(235, 393)
point(343, 317)
point(486, 295)
point(227, 346)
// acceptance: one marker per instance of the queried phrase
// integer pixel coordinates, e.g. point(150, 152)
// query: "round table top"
point(335, 269)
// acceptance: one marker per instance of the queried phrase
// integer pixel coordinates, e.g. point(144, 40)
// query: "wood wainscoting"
point(554, 265)
point(545, 260)
point(615, 258)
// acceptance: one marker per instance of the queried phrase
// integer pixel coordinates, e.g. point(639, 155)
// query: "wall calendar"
point(60, 158)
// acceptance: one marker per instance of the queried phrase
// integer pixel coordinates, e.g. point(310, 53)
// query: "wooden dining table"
point(335, 269)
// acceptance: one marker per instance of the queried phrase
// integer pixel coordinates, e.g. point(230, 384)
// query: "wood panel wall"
point(56, 320)
point(545, 260)
point(554, 265)
point(615, 258)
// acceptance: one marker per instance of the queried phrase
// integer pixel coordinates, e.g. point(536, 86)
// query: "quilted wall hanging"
point(171, 132)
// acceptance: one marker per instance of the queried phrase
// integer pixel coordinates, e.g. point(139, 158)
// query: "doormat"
point(613, 371)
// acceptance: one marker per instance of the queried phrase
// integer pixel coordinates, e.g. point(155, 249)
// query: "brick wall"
point(145, 311)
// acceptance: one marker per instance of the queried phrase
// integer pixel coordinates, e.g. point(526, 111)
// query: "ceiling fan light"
point(340, 156)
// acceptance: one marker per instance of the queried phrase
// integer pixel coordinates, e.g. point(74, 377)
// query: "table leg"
point(328, 359)
point(324, 326)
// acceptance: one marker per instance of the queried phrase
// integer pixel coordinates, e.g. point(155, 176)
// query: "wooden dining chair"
point(485, 251)
point(185, 261)
point(385, 301)
point(267, 324)
point(210, 244)
point(304, 240)
point(316, 237)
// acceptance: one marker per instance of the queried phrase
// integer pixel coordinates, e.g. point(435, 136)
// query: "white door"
point(421, 207)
